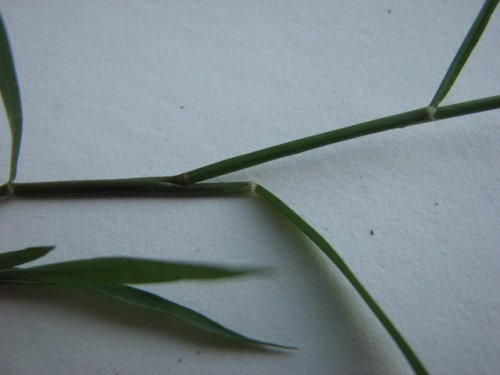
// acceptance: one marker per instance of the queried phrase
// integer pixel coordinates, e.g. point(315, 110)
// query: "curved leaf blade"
point(17, 257)
point(149, 301)
point(330, 252)
point(119, 270)
point(11, 97)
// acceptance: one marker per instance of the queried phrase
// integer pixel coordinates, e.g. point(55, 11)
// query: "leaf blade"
point(120, 270)
point(463, 53)
point(18, 257)
point(153, 302)
point(330, 252)
point(9, 89)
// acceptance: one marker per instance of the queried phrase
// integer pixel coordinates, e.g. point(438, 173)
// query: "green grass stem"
point(417, 116)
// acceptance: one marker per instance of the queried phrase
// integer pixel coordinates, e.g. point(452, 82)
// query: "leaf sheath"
point(140, 187)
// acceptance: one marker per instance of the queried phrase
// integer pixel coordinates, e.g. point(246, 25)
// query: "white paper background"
point(116, 89)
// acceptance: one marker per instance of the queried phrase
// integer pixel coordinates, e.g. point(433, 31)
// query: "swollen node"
point(431, 111)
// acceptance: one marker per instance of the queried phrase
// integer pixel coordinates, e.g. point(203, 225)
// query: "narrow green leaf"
point(325, 247)
point(119, 270)
point(11, 98)
point(149, 301)
point(465, 50)
point(15, 258)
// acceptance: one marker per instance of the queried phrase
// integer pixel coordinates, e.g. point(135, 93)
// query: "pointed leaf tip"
point(9, 89)
point(149, 301)
point(18, 257)
point(121, 270)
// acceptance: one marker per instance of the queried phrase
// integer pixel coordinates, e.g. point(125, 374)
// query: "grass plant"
point(111, 276)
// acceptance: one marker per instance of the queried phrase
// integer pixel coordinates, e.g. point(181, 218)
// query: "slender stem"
point(125, 188)
point(464, 108)
point(417, 116)
point(465, 50)
point(171, 185)
point(330, 252)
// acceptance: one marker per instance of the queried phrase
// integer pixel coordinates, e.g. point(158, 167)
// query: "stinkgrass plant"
point(110, 276)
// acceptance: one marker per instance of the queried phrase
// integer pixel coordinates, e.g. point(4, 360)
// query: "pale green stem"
point(417, 116)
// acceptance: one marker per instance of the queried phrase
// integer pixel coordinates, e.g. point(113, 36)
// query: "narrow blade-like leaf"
point(15, 258)
point(465, 50)
point(11, 98)
point(149, 301)
point(119, 270)
point(325, 247)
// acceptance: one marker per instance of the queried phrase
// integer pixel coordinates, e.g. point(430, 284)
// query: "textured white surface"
point(139, 88)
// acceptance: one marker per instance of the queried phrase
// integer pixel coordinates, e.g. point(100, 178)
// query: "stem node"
point(431, 110)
